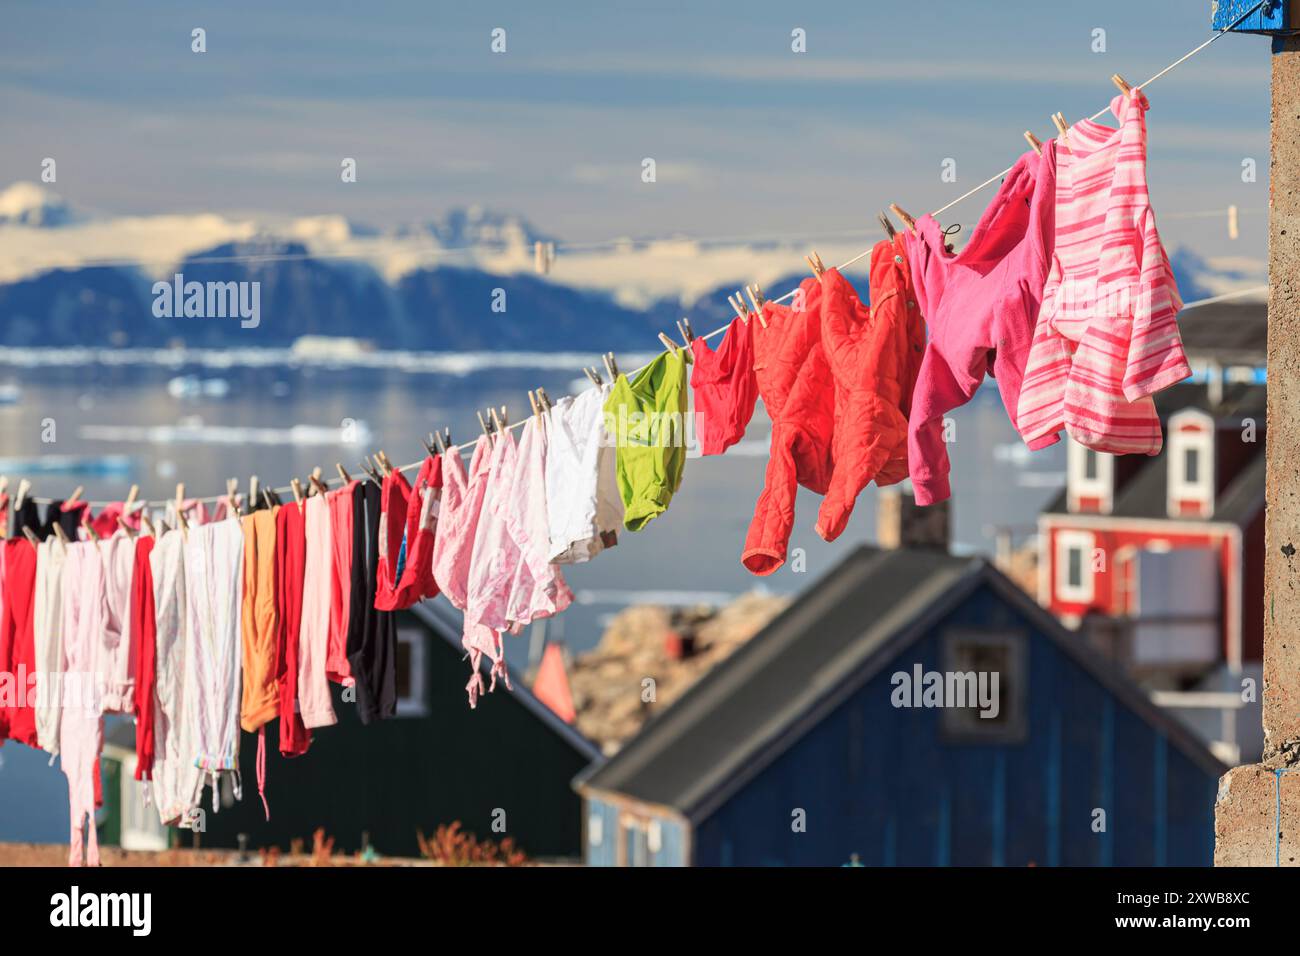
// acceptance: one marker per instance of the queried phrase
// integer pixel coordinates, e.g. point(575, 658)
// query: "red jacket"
point(874, 355)
point(794, 383)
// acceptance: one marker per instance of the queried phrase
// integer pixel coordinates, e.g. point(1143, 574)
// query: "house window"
point(1074, 566)
point(636, 847)
point(1191, 464)
point(595, 828)
point(985, 686)
point(1089, 479)
point(412, 699)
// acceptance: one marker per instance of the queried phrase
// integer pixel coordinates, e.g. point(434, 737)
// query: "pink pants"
point(81, 729)
point(313, 634)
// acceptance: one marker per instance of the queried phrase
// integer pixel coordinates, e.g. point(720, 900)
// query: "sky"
point(748, 137)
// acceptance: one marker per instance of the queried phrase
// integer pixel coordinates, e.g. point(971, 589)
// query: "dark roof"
point(1144, 494)
point(825, 646)
point(445, 621)
point(1230, 333)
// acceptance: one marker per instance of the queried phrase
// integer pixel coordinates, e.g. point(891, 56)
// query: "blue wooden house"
point(864, 721)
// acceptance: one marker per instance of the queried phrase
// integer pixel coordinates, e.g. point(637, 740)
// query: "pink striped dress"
point(1107, 334)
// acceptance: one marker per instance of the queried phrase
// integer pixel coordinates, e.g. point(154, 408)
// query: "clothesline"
point(286, 490)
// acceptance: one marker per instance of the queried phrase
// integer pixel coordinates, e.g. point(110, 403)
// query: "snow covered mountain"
point(70, 279)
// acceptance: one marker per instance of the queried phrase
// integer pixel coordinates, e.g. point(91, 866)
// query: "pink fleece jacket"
point(980, 306)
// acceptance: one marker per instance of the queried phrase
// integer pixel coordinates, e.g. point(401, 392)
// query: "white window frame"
point(1080, 485)
point(416, 703)
point(1181, 442)
point(1067, 541)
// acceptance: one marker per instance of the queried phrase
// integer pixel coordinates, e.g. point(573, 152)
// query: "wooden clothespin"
point(76, 493)
point(669, 344)
point(815, 261)
point(130, 499)
point(532, 400)
point(1058, 119)
point(1034, 142)
point(180, 511)
point(384, 463)
point(296, 486)
point(90, 529)
point(253, 488)
point(902, 214)
point(232, 497)
point(543, 399)
point(756, 302)
point(62, 535)
point(268, 498)
point(497, 421)
point(687, 333)
point(1123, 86)
point(437, 439)
point(28, 533)
point(24, 486)
point(738, 306)
point(610, 365)
point(319, 485)
point(593, 375)
point(886, 225)
point(121, 523)
point(347, 479)
point(483, 424)
point(147, 525)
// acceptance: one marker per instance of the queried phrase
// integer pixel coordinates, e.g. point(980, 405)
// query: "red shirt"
point(143, 636)
point(18, 641)
point(290, 556)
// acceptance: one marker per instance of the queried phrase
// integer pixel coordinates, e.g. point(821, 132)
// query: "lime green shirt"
point(646, 417)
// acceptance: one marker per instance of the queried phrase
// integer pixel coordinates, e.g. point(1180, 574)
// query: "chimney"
point(902, 523)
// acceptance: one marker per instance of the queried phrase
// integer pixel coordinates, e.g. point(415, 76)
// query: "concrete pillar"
point(1247, 829)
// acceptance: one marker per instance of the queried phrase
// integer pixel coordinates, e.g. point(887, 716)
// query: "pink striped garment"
point(1107, 335)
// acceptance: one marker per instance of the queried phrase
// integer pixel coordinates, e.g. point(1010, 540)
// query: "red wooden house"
point(1168, 549)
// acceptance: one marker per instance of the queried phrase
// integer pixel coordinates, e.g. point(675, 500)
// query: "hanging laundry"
point(27, 516)
point(69, 517)
point(105, 523)
point(584, 508)
point(794, 381)
point(116, 660)
point(395, 494)
point(47, 634)
point(372, 634)
point(143, 638)
point(313, 635)
point(177, 782)
point(416, 575)
point(18, 644)
point(81, 728)
point(260, 617)
point(980, 305)
point(290, 559)
point(261, 695)
point(724, 387)
point(214, 559)
point(874, 356)
point(647, 416)
point(462, 503)
point(493, 562)
point(1107, 334)
point(341, 505)
point(539, 589)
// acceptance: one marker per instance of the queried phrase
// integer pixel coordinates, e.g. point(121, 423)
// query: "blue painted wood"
point(1276, 16)
point(606, 852)
point(890, 786)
